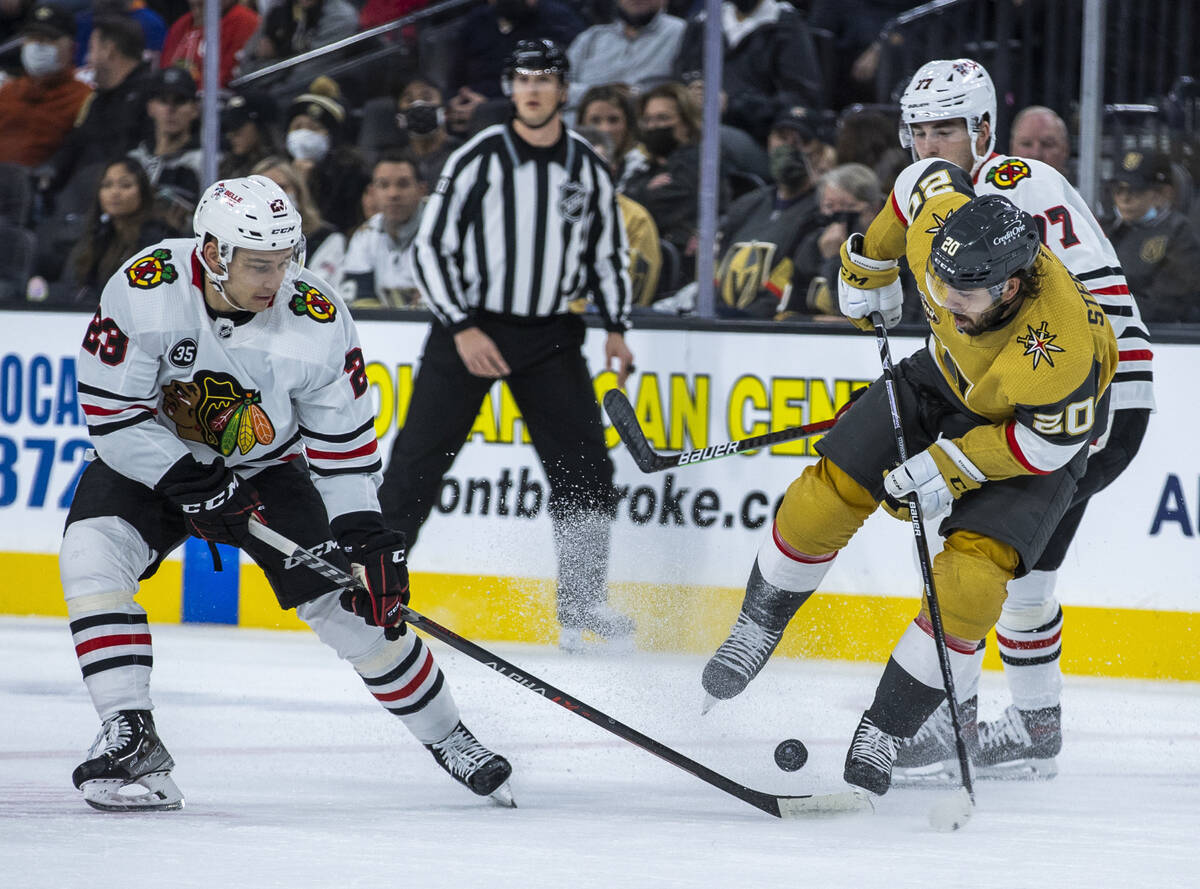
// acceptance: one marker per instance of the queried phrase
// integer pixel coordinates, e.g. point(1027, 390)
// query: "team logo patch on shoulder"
point(310, 301)
point(1039, 343)
point(1008, 173)
point(147, 272)
point(214, 408)
point(572, 196)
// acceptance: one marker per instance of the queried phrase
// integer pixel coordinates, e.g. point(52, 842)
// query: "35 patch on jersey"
point(147, 272)
point(310, 301)
point(1008, 173)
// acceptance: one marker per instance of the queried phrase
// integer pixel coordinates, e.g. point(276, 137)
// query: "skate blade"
point(1020, 770)
point(155, 792)
point(503, 796)
point(840, 803)
point(572, 642)
point(933, 775)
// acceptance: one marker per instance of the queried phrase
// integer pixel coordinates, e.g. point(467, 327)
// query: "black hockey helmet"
point(984, 243)
point(534, 57)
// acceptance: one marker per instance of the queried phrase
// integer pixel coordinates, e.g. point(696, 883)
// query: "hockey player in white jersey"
point(948, 112)
point(224, 384)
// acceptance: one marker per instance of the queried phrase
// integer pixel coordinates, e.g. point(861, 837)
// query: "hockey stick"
point(956, 814)
point(625, 421)
point(779, 806)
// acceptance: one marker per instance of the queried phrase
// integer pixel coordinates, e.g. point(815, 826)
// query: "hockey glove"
point(868, 285)
point(379, 566)
point(938, 475)
point(216, 504)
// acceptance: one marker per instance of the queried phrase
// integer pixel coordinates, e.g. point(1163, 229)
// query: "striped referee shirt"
point(519, 230)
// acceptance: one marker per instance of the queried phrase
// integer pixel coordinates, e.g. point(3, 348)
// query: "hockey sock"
point(404, 677)
point(1029, 636)
point(115, 656)
point(781, 580)
point(912, 687)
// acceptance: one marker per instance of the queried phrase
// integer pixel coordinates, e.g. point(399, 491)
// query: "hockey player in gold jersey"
point(997, 411)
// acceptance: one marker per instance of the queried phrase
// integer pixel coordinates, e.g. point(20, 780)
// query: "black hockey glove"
point(379, 564)
point(216, 504)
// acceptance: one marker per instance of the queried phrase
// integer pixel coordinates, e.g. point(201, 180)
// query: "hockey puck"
point(791, 755)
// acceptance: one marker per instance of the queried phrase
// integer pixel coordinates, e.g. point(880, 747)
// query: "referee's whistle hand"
point(480, 354)
point(616, 351)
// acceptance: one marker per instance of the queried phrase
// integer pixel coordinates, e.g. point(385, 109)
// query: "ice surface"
point(295, 778)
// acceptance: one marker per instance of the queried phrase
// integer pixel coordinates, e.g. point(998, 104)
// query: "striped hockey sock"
point(410, 684)
point(1031, 662)
point(115, 658)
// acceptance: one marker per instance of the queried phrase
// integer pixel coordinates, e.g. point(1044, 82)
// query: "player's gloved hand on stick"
point(379, 564)
point(938, 475)
point(868, 285)
point(216, 504)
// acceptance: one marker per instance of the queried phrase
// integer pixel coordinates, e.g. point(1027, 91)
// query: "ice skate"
point(474, 766)
point(613, 627)
point(1021, 744)
point(128, 768)
point(930, 756)
point(870, 757)
point(738, 660)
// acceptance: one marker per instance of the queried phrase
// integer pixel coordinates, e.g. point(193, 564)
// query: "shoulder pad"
point(926, 179)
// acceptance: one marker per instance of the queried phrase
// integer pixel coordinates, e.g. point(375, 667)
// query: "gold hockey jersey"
point(1042, 378)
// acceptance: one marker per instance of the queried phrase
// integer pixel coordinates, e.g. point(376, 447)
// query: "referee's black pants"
point(550, 382)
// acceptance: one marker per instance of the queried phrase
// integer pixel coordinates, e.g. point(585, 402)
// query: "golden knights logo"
point(1039, 343)
point(1007, 174)
point(147, 272)
point(218, 411)
point(746, 268)
point(310, 301)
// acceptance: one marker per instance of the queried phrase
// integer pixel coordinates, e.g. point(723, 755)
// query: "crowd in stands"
point(100, 150)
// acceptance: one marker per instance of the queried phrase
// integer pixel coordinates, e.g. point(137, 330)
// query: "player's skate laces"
point(870, 757)
point(471, 764)
point(1020, 744)
point(930, 753)
point(128, 767)
point(739, 659)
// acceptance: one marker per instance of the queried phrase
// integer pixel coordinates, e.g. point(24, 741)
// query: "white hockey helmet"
point(252, 212)
point(947, 89)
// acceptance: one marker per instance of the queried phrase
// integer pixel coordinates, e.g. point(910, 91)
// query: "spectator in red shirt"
point(38, 109)
point(185, 40)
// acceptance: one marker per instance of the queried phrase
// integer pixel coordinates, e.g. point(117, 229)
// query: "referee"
point(524, 219)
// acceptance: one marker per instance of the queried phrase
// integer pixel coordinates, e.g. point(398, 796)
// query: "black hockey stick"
point(951, 819)
point(779, 806)
point(625, 421)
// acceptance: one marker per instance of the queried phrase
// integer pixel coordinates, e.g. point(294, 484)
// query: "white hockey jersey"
point(1072, 233)
point(160, 378)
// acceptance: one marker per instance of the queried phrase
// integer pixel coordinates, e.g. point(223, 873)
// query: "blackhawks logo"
point(147, 272)
point(216, 410)
point(310, 301)
point(1039, 343)
point(1007, 174)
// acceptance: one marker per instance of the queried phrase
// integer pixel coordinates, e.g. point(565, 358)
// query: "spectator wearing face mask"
point(770, 62)
point(334, 172)
point(762, 232)
point(1156, 245)
point(421, 117)
point(849, 196)
point(38, 108)
point(667, 186)
point(639, 49)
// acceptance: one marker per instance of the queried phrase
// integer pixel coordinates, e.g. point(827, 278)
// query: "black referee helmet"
point(984, 243)
point(535, 57)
